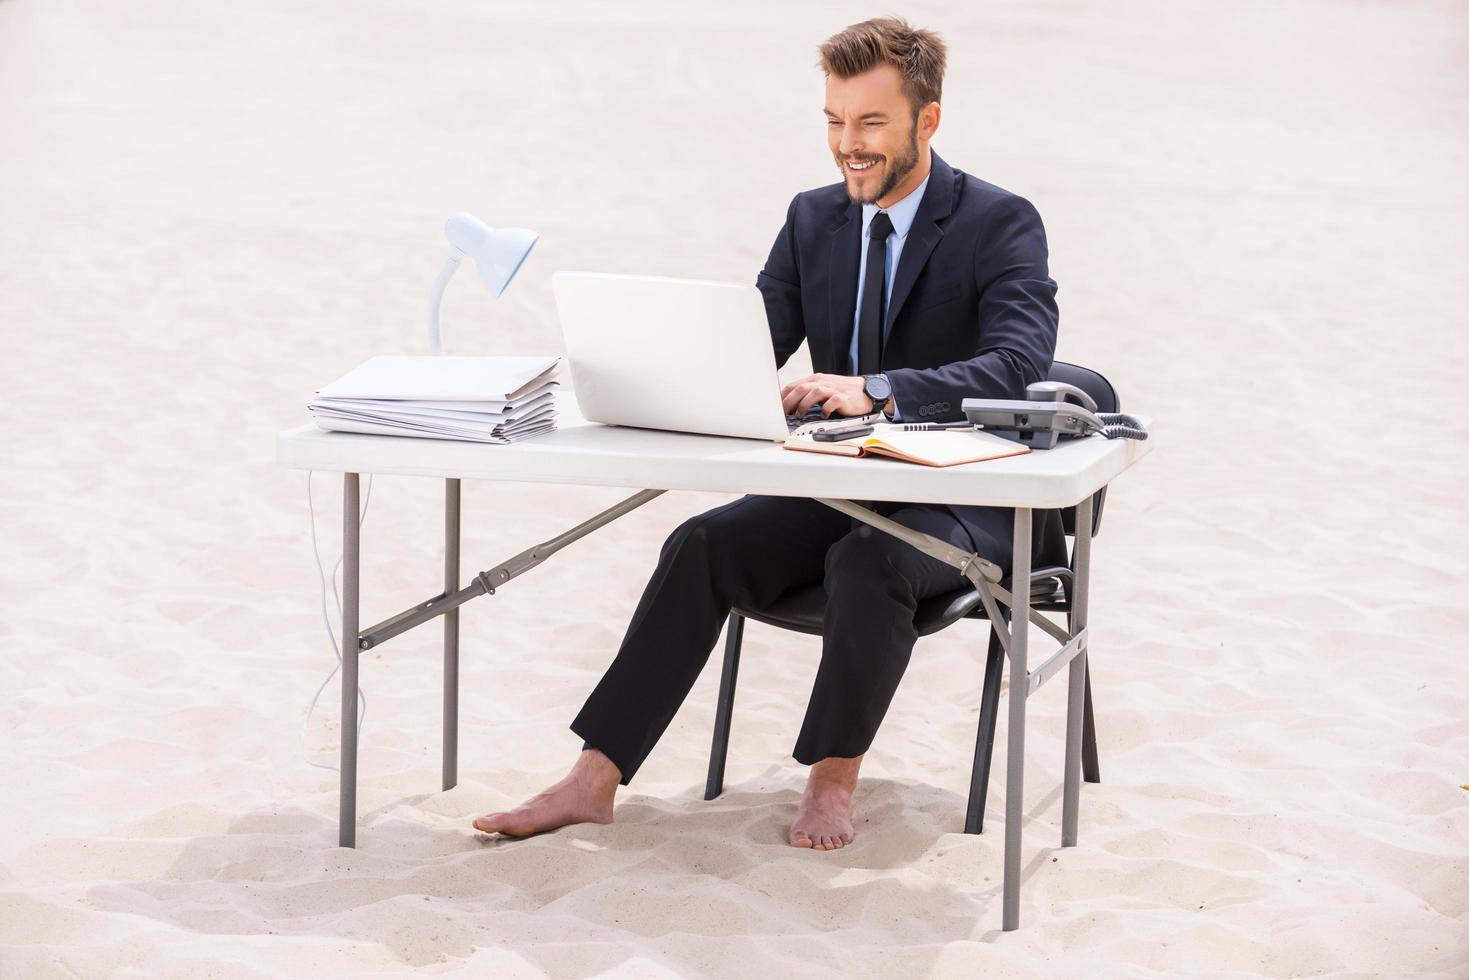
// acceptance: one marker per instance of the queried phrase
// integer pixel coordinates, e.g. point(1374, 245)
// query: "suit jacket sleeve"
point(780, 283)
point(1017, 321)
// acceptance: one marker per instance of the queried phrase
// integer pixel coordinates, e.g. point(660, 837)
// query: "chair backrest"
point(1106, 398)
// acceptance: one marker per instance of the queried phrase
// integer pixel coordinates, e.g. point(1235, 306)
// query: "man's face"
point(871, 131)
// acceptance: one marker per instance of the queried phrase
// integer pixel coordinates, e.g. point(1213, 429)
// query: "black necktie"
point(874, 286)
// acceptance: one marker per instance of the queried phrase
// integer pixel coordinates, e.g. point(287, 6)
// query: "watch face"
point(878, 389)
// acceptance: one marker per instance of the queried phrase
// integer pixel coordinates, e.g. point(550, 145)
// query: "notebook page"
point(944, 447)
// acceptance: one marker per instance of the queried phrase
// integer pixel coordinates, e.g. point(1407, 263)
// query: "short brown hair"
point(917, 54)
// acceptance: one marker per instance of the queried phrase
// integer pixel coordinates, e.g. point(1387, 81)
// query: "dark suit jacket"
point(972, 312)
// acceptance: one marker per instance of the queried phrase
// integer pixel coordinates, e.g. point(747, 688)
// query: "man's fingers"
point(798, 396)
point(840, 403)
point(790, 401)
point(794, 392)
point(808, 379)
point(802, 397)
point(810, 398)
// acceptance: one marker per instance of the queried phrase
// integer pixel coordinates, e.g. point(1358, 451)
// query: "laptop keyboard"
point(813, 414)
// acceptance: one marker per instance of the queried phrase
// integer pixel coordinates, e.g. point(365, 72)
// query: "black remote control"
point(840, 434)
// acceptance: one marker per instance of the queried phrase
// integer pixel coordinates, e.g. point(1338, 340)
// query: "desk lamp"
point(497, 254)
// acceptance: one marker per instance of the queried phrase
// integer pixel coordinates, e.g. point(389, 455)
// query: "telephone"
point(1051, 411)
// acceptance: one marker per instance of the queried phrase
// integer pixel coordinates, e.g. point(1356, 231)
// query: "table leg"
point(451, 636)
point(1076, 677)
point(1015, 752)
point(351, 554)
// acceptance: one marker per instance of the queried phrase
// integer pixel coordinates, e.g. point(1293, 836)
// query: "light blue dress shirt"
point(901, 215)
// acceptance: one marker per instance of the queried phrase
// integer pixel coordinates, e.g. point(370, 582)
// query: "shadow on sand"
point(666, 880)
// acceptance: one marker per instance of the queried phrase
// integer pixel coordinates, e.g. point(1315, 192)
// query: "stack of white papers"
point(479, 399)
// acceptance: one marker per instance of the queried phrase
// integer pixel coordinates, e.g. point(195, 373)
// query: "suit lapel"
point(846, 251)
point(923, 237)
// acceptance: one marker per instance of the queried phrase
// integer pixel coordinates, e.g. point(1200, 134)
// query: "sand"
point(1257, 217)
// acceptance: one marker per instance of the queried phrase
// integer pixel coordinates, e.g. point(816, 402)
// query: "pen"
point(932, 426)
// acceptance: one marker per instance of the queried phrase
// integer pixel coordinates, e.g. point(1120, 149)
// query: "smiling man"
point(916, 286)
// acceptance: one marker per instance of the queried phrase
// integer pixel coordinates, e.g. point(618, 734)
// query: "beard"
point(896, 170)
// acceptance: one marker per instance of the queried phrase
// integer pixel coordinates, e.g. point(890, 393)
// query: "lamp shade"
point(497, 252)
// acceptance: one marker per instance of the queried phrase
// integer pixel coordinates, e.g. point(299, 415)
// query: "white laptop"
point(687, 355)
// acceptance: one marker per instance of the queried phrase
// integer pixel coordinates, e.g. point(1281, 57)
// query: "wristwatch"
point(876, 387)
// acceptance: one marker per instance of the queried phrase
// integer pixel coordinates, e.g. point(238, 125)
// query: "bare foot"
point(824, 818)
point(584, 796)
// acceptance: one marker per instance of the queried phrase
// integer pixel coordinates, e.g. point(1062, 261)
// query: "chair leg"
point(1089, 769)
point(984, 743)
point(724, 708)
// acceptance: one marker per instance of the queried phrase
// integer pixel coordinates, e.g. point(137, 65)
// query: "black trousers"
point(747, 553)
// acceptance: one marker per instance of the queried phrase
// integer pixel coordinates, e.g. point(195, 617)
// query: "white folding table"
point(579, 452)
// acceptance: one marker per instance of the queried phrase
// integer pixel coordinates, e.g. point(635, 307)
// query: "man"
point(916, 286)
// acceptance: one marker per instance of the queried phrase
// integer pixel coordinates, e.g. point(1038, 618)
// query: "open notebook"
point(943, 447)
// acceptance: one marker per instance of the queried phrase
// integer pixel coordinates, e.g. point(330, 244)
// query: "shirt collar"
point(900, 214)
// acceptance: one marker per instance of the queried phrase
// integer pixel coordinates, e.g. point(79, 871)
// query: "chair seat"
point(802, 609)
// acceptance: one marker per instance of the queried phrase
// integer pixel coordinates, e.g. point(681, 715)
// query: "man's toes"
point(512, 823)
point(799, 838)
point(847, 838)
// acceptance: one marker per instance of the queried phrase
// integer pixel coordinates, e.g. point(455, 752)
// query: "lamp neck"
point(436, 298)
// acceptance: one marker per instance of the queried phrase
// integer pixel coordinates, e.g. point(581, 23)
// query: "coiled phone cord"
point(1116, 425)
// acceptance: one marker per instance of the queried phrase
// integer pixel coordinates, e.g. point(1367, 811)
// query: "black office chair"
point(802, 610)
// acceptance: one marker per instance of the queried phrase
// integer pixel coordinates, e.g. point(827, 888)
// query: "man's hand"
point(838, 395)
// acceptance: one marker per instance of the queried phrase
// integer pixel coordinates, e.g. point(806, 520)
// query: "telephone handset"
point(1051, 411)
